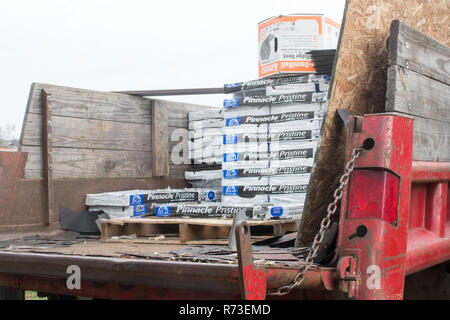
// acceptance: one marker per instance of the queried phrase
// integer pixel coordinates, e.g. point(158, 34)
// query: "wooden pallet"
point(189, 231)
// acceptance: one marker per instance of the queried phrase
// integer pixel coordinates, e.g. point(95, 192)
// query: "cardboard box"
point(284, 40)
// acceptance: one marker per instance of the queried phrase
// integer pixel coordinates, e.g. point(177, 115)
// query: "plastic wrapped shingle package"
point(299, 97)
point(128, 203)
point(244, 111)
point(204, 178)
point(233, 190)
point(203, 174)
point(199, 210)
point(278, 134)
point(205, 142)
point(205, 114)
point(207, 161)
point(205, 123)
point(245, 164)
point(290, 211)
point(274, 81)
point(205, 138)
point(320, 86)
point(205, 153)
point(204, 132)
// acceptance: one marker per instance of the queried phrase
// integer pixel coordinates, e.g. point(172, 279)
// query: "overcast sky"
point(133, 45)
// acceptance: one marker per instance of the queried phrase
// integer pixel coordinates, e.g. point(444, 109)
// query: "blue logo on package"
point(230, 103)
point(230, 157)
point(326, 78)
point(317, 87)
point(230, 174)
point(211, 195)
point(231, 85)
point(230, 191)
point(233, 122)
point(162, 211)
point(136, 199)
point(139, 210)
point(276, 211)
point(230, 139)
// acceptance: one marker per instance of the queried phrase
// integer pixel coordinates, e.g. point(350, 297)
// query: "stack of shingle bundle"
point(205, 133)
point(270, 141)
point(138, 203)
point(205, 148)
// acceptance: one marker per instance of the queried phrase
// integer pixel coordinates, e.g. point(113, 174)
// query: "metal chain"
point(324, 225)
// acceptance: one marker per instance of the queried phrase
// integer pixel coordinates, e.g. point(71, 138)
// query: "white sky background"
point(133, 45)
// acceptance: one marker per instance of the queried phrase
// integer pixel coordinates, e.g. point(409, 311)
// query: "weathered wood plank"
point(90, 134)
point(414, 50)
point(431, 140)
point(95, 163)
point(90, 163)
point(190, 232)
point(89, 104)
point(160, 140)
point(412, 93)
point(359, 85)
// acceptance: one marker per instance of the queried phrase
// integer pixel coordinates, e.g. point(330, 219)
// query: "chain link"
point(324, 225)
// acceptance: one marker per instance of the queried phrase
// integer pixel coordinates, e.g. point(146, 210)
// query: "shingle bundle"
point(222, 210)
point(323, 60)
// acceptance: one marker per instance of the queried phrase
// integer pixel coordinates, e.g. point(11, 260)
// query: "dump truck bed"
point(138, 271)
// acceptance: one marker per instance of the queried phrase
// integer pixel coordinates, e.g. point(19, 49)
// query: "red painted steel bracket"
point(252, 279)
point(346, 270)
point(375, 206)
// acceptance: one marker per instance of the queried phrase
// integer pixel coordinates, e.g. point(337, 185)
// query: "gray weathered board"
point(418, 81)
point(410, 92)
point(160, 140)
point(416, 51)
point(104, 135)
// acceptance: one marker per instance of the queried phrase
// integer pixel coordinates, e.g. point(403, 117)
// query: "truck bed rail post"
point(375, 208)
point(47, 137)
